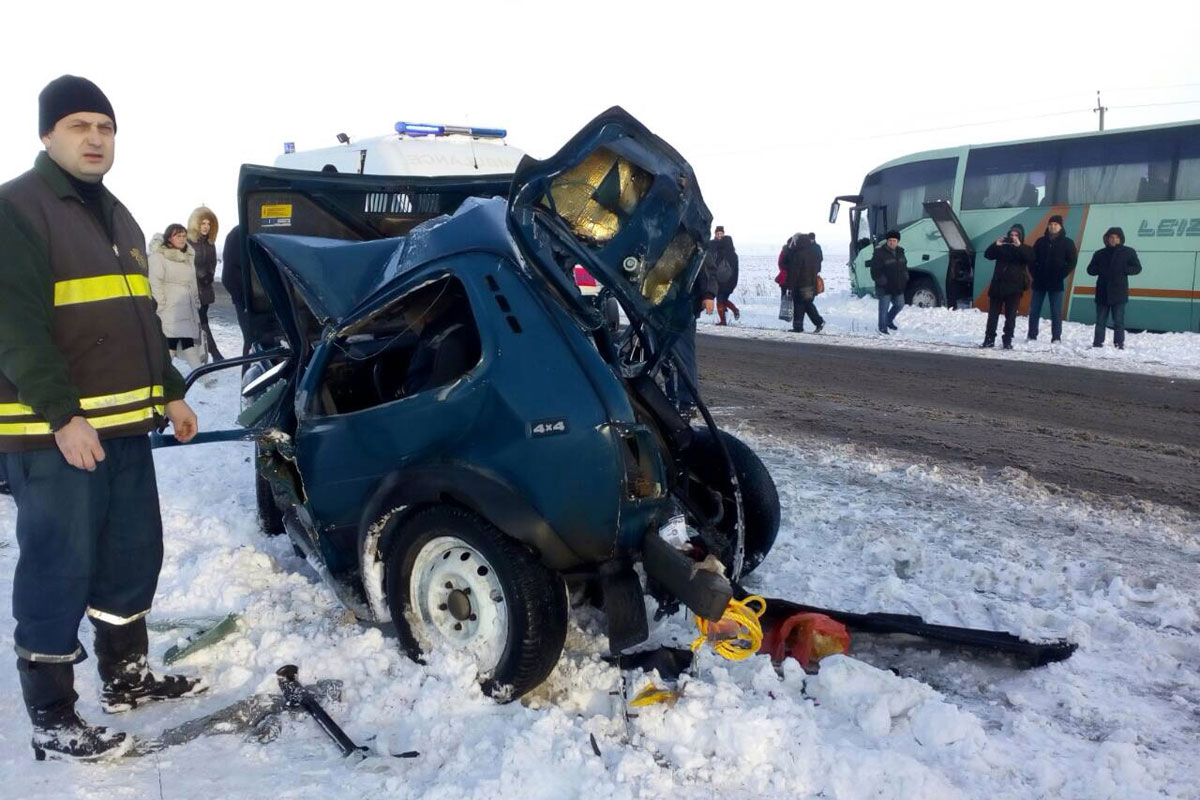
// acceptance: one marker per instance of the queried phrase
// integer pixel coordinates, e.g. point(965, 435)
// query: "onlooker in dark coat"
point(1112, 265)
point(1054, 257)
point(724, 265)
point(800, 262)
point(889, 270)
point(201, 233)
point(1009, 280)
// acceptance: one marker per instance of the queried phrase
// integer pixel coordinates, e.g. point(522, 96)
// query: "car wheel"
point(923, 293)
point(455, 582)
point(760, 499)
point(270, 518)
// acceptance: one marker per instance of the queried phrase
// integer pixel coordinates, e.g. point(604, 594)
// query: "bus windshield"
point(895, 197)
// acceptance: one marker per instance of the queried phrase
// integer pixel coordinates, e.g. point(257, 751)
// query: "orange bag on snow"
point(806, 637)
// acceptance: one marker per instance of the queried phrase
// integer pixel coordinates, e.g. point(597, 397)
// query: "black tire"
point(760, 499)
point(534, 597)
point(270, 518)
point(922, 292)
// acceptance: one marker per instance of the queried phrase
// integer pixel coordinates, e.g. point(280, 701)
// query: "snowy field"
point(862, 530)
point(851, 320)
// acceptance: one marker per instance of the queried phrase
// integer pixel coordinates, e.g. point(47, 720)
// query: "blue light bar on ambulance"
point(419, 129)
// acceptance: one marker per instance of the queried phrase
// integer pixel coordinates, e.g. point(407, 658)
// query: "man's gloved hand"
point(80, 444)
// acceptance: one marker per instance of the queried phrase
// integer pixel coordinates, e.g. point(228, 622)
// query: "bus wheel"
point(923, 293)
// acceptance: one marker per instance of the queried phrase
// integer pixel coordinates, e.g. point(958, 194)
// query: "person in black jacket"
point(1054, 257)
point(725, 269)
point(889, 270)
point(1009, 280)
point(201, 234)
point(1112, 265)
point(801, 264)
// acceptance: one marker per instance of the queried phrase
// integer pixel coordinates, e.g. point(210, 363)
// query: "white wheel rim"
point(924, 298)
point(458, 601)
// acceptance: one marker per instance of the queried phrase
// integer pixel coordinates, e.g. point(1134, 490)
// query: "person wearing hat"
point(84, 376)
point(1054, 257)
point(889, 270)
point(1010, 279)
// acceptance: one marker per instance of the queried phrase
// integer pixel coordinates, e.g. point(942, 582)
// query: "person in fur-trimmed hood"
point(201, 233)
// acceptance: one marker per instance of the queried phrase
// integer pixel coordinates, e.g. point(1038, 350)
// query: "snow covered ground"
point(851, 320)
point(862, 530)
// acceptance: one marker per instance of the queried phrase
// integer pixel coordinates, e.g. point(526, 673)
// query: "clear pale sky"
point(778, 106)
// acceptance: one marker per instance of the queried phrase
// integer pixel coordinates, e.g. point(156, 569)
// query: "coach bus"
point(949, 205)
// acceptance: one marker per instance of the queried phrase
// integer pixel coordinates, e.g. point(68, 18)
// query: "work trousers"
point(89, 542)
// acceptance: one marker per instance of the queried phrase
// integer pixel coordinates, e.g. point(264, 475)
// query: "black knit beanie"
point(1055, 218)
point(70, 94)
point(893, 234)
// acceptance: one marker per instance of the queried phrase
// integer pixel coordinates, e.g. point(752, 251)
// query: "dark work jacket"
point(1053, 259)
point(206, 269)
point(724, 264)
point(78, 332)
point(1112, 267)
point(802, 265)
point(889, 270)
point(1012, 269)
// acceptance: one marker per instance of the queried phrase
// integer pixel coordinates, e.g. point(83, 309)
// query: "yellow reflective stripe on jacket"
point(106, 421)
point(92, 403)
point(100, 287)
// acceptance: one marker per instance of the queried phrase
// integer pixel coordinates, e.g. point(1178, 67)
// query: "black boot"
point(121, 651)
point(58, 731)
point(63, 735)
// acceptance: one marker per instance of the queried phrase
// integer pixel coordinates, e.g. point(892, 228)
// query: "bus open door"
point(960, 267)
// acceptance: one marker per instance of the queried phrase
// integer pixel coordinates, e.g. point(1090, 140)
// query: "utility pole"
point(1100, 108)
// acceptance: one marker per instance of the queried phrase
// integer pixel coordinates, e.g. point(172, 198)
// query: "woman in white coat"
point(173, 284)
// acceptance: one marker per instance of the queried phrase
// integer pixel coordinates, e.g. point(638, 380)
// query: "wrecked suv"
point(453, 435)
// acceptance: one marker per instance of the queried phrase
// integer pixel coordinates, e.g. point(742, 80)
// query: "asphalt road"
point(1105, 432)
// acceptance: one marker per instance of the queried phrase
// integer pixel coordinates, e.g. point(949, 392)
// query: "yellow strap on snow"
point(107, 421)
point(93, 403)
point(740, 643)
point(100, 287)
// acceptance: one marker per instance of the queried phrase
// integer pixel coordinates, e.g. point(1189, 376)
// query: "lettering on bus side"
point(1170, 227)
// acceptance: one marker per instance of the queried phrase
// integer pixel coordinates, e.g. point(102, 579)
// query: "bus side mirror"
point(833, 212)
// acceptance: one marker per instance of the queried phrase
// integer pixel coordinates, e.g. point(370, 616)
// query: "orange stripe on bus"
point(1178, 294)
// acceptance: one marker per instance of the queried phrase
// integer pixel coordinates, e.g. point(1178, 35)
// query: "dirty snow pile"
point(851, 320)
point(862, 530)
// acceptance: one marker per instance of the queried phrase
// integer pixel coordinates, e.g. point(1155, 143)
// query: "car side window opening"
point(425, 340)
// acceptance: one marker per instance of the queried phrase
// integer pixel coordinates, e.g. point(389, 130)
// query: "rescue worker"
point(201, 235)
point(1112, 265)
point(84, 376)
point(1054, 257)
point(1009, 281)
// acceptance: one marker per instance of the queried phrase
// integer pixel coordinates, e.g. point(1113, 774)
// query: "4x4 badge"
point(548, 427)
